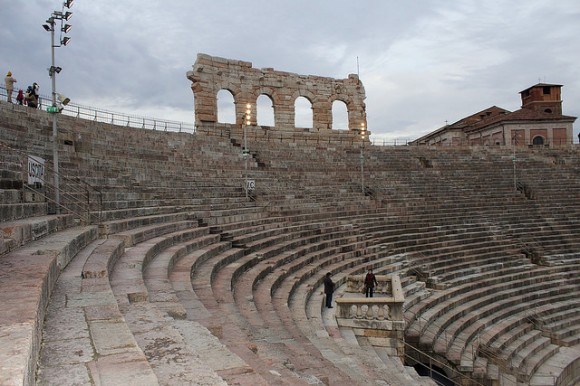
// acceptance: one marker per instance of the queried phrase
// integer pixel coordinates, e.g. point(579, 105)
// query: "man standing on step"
point(370, 282)
point(328, 290)
point(9, 81)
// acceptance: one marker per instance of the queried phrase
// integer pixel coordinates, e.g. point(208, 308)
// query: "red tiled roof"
point(518, 115)
point(542, 85)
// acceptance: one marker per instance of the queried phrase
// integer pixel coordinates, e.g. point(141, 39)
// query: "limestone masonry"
point(212, 74)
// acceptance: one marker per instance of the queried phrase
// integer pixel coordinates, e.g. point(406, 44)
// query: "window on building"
point(546, 90)
point(538, 140)
point(549, 111)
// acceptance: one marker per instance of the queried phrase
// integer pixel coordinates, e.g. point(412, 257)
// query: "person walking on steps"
point(370, 282)
point(9, 81)
point(328, 290)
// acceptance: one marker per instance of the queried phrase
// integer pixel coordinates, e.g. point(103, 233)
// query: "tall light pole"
point(514, 162)
point(52, 71)
point(362, 157)
point(246, 152)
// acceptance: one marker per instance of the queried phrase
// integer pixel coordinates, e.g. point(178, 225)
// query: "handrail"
point(136, 121)
point(440, 364)
point(116, 118)
point(74, 205)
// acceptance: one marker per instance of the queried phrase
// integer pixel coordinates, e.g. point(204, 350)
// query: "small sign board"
point(35, 170)
point(250, 185)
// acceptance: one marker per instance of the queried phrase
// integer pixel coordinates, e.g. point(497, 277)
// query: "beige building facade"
point(539, 122)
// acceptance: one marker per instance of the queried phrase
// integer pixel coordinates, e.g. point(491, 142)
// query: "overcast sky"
point(422, 62)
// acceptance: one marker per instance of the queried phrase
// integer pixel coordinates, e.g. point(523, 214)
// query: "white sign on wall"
point(250, 185)
point(35, 170)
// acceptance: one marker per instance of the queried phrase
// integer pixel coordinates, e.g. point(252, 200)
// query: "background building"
point(539, 122)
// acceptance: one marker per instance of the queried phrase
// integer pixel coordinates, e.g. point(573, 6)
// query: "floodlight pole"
point(245, 161)
point(246, 123)
point(55, 161)
point(52, 71)
point(514, 162)
point(362, 163)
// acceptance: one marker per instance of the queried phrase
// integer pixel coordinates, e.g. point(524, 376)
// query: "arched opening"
point(226, 108)
point(549, 111)
point(265, 111)
point(339, 115)
point(538, 140)
point(303, 116)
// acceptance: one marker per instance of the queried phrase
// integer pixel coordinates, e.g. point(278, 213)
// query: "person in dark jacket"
point(328, 290)
point(370, 282)
point(20, 97)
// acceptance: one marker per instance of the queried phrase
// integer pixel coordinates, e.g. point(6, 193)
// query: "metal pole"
point(514, 162)
point(246, 123)
point(54, 122)
point(246, 159)
point(362, 162)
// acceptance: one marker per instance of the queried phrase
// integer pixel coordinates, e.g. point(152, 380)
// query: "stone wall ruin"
point(212, 74)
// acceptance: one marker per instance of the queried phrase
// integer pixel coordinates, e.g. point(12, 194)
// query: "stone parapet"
point(356, 284)
point(379, 319)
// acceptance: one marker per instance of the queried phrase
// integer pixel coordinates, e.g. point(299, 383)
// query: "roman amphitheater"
point(149, 256)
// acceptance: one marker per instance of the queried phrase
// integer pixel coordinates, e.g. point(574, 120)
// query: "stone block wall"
point(212, 74)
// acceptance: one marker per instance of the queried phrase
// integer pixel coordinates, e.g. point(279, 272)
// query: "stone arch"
point(225, 109)
point(303, 112)
point(263, 112)
point(337, 113)
point(356, 111)
point(310, 97)
point(247, 83)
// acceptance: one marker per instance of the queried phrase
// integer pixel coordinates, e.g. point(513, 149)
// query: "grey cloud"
point(421, 63)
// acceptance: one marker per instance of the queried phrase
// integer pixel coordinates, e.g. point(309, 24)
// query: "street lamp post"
point(514, 162)
point(362, 157)
point(246, 152)
point(52, 71)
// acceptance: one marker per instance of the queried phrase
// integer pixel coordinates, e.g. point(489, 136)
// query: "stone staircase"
point(182, 279)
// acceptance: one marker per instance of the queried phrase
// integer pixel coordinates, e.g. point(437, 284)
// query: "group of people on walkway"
point(30, 98)
point(369, 286)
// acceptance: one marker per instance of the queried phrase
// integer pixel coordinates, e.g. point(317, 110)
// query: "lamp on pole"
point(52, 71)
point(246, 152)
point(514, 162)
point(362, 156)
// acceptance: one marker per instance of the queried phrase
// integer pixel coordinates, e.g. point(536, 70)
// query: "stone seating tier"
point(510, 306)
point(462, 211)
point(241, 268)
point(17, 211)
point(29, 275)
point(17, 233)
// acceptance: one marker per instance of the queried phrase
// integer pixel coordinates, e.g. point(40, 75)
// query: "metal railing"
point(79, 198)
point(555, 143)
point(136, 121)
point(114, 118)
